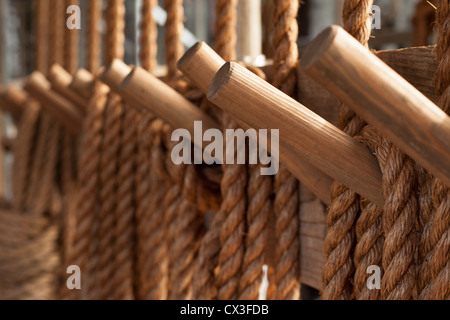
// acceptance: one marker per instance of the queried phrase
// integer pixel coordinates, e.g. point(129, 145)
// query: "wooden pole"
point(382, 97)
point(13, 100)
point(163, 101)
point(63, 110)
point(200, 64)
point(60, 80)
point(302, 132)
point(83, 83)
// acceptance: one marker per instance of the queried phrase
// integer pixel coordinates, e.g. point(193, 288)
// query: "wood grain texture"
point(83, 83)
point(382, 97)
point(302, 133)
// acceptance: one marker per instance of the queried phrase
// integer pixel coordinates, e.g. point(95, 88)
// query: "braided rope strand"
point(435, 270)
point(286, 202)
point(226, 21)
point(343, 212)
point(174, 29)
point(93, 35)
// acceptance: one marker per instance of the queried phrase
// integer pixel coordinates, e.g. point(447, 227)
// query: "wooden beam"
point(382, 97)
point(60, 80)
point(202, 57)
point(62, 109)
point(302, 133)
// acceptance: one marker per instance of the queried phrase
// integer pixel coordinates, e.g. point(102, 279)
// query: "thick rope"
point(84, 245)
point(23, 154)
point(435, 245)
point(105, 264)
point(71, 44)
point(149, 35)
point(174, 29)
point(152, 256)
point(286, 203)
point(232, 211)
point(340, 239)
point(41, 7)
point(115, 36)
point(94, 35)
point(126, 207)
point(56, 34)
point(226, 21)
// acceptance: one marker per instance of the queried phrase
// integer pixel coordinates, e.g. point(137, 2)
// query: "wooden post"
point(382, 97)
point(63, 110)
point(302, 132)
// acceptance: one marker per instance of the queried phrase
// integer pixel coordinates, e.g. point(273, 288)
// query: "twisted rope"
point(126, 207)
point(56, 33)
point(285, 61)
point(84, 244)
point(115, 36)
point(149, 35)
point(94, 35)
point(23, 154)
point(174, 29)
point(343, 212)
point(41, 8)
point(71, 44)
point(232, 211)
point(226, 21)
point(435, 246)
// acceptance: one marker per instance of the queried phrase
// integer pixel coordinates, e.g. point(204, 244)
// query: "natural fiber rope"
point(115, 36)
point(56, 34)
point(232, 212)
point(149, 35)
point(23, 154)
point(226, 21)
point(41, 8)
point(435, 247)
point(84, 246)
point(104, 267)
point(174, 29)
point(126, 207)
point(345, 208)
point(94, 35)
point(71, 44)
point(152, 258)
point(285, 61)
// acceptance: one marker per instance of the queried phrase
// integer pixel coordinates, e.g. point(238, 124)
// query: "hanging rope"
point(23, 151)
point(41, 8)
point(285, 61)
point(71, 44)
point(152, 263)
point(344, 209)
point(174, 29)
point(149, 36)
point(94, 35)
point(434, 272)
point(56, 34)
point(226, 21)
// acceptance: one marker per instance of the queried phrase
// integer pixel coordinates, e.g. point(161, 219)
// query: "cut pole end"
point(221, 79)
point(189, 54)
point(320, 44)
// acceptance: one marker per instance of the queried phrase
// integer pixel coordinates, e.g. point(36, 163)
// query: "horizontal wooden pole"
point(83, 83)
point(381, 97)
point(200, 64)
point(13, 101)
point(60, 80)
point(302, 133)
point(163, 101)
point(62, 109)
